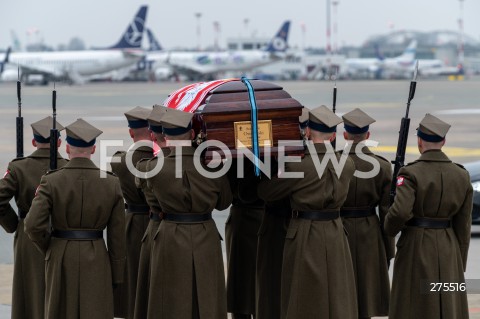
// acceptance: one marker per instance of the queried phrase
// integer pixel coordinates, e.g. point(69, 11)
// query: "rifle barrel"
point(403, 137)
point(19, 123)
point(53, 134)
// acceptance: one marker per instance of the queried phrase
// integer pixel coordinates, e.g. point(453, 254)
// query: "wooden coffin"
point(225, 115)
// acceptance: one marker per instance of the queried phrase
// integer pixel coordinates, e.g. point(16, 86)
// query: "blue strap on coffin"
point(254, 120)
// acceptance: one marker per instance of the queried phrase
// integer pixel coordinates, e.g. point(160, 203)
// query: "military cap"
point(357, 121)
point(41, 129)
point(82, 134)
point(322, 119)
point(303, 119)
point(432, 129)
point(154, 118)
point(176, 122)
point(137, 117)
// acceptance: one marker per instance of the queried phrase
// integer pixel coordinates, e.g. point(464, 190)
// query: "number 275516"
point(447, 286)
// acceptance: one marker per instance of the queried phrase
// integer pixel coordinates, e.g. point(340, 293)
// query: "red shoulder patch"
point(400, 180)
point(6, 173)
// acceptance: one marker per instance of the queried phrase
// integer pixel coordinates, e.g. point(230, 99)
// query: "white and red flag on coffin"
point(190, 97)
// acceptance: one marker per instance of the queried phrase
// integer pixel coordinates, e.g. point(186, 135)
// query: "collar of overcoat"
point(43, 153)
point(80, 162)
point(186, 151)
point(365, 149)
point(320, 148)
point(433, 156)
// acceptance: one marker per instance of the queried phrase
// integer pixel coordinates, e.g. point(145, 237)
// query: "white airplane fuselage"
point(210, 62)
point(83, 63)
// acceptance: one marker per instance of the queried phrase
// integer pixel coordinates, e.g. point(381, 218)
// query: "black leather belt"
point(22, 214)
point(317, 215)
point(137, 208)
point(425, 222)
point(186, 218)
point(357, 212)
point(155, 217)
point(78, 234)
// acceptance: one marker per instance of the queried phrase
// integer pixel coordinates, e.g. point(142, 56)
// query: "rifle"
point(403, 137)
point(54, 132)
point(334, 142)
point(19, 118)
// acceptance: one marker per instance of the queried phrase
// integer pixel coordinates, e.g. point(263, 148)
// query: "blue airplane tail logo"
point(280, 40)
point(154, 45)
point(6, 59)
point(132, 38)
point(378, 54)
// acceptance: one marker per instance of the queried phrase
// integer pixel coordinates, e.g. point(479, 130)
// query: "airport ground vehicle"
point(474, 169)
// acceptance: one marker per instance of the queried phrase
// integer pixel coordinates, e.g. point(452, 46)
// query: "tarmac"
point(103, 104)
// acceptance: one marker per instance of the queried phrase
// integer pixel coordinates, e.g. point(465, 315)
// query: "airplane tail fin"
point(17, 47)
point(5, 60)
point(133, 36)
point(410, 52)
point(378, 54)
point(279, 43)
point(154, 45)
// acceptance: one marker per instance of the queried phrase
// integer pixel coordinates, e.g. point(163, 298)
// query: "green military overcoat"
point(143, 280)
point(271, 239)
point(189, 278)
point(135, 226)
point(317, 274)
point(369, 248)
point(432, 187)
point(79, 273)
point(241, 229)
point(20, 181)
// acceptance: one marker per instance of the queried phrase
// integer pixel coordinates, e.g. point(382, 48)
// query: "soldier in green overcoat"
point(433, 212)
point(71, 208)
point(136, 207)
point(271, 239)
point(144, 269)
point(188, 278)
point(371, 250)
point(241, 239)
point(317, 274)
point(20, 181)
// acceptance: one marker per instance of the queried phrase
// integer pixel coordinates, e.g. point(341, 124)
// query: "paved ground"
point(104, 104)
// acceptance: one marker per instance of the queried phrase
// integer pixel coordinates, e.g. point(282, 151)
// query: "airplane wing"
point(41, 69)
point(191, 73)
point(193, 66)
point(52, 72)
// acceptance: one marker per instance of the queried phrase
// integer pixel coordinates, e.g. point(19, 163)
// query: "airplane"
point(199, 65)
point(77, 66)
point(438, 69)
point(155, 59)
point(379, 65)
